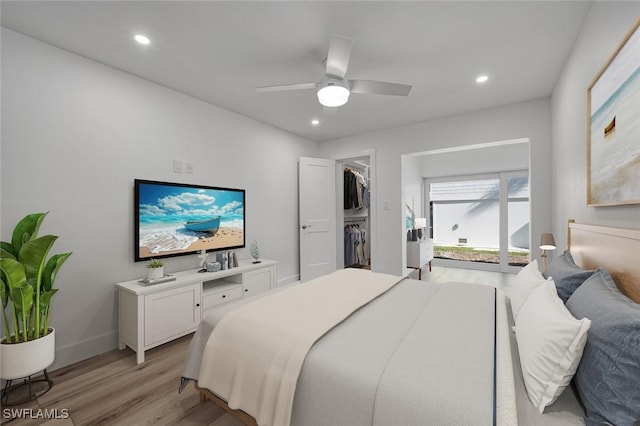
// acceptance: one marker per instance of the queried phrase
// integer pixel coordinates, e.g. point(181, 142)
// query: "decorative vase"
point(155, 273)
point(255, 251)
point(20, 360)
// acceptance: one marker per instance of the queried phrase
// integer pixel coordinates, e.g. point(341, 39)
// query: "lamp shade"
point(420, 222)
point(547, 242)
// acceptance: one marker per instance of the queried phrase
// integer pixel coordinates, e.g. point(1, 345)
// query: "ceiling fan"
point(334, 89)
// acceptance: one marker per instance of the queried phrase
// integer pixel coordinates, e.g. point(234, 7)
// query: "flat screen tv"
point(174, 219)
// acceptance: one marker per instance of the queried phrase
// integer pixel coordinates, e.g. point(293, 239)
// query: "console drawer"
point(215, 298)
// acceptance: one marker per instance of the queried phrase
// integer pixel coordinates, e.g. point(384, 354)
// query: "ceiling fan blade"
point(338, 56)
point(369, 87)
point(299, 86)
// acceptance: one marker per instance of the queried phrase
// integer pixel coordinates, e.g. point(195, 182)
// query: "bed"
point(431, 353)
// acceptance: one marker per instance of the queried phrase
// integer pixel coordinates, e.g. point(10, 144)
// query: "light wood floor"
point(110, 389)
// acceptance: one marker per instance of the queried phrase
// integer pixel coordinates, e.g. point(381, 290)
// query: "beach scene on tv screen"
point(178, 219)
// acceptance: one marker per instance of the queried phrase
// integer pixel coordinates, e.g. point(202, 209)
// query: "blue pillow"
point(566, 274)
point(608, 377)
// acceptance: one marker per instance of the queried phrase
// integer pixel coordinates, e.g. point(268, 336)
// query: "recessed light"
point(482, 79)
point(315, 122)
point(142, 39)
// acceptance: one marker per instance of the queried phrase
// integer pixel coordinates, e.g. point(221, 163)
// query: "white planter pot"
point(155, 273)
point(25, 359)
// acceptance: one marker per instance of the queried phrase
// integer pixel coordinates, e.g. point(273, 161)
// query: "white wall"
point(500, 158)
point(76, 133)
point(604, 29)
point(412, 187)
point(413, 184)
point(524, 120)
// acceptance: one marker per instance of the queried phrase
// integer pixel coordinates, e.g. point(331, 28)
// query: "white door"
point(317, 198)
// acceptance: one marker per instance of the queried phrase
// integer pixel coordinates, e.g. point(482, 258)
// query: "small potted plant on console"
point(155, 269)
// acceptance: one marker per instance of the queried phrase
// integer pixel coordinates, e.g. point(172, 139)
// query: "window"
point(518, 219)
point(465, 219)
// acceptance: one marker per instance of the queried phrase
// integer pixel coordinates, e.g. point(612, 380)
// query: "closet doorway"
point(355, 211)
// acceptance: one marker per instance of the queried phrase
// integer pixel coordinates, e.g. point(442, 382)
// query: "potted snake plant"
point(27, 277)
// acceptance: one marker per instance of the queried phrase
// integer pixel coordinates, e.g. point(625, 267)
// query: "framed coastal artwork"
point(613, 129)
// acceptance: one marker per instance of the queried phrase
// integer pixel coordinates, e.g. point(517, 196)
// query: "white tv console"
point(155, 314)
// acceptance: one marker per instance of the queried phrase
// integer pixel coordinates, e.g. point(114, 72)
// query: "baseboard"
point(288, 280)
point(85, 349)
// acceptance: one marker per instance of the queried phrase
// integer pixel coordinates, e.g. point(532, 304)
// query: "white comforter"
point(422, 353)
point(255, 353)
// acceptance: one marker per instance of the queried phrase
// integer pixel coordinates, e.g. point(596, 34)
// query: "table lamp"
point(420, 224)
point(546, 243)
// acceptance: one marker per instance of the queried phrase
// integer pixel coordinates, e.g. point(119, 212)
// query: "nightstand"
point(419, 253)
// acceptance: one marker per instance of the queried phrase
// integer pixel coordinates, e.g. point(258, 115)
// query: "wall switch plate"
point(190, 168)
point(177, 166)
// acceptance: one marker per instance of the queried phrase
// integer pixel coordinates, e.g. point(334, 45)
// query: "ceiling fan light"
point(333, 95)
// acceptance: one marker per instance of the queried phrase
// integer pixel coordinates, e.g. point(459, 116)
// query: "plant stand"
point(18, 389)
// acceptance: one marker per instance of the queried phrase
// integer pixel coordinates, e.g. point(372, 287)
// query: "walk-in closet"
point(356, 208)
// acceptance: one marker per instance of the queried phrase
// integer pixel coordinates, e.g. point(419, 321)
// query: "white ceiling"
point(220, 51)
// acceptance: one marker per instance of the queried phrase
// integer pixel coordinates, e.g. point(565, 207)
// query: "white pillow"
point(550, 343)
point(527, 280)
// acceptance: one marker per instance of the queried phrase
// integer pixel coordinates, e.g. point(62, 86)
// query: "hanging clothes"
point(361, 251)
point(355, 249)
point(355, 190)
